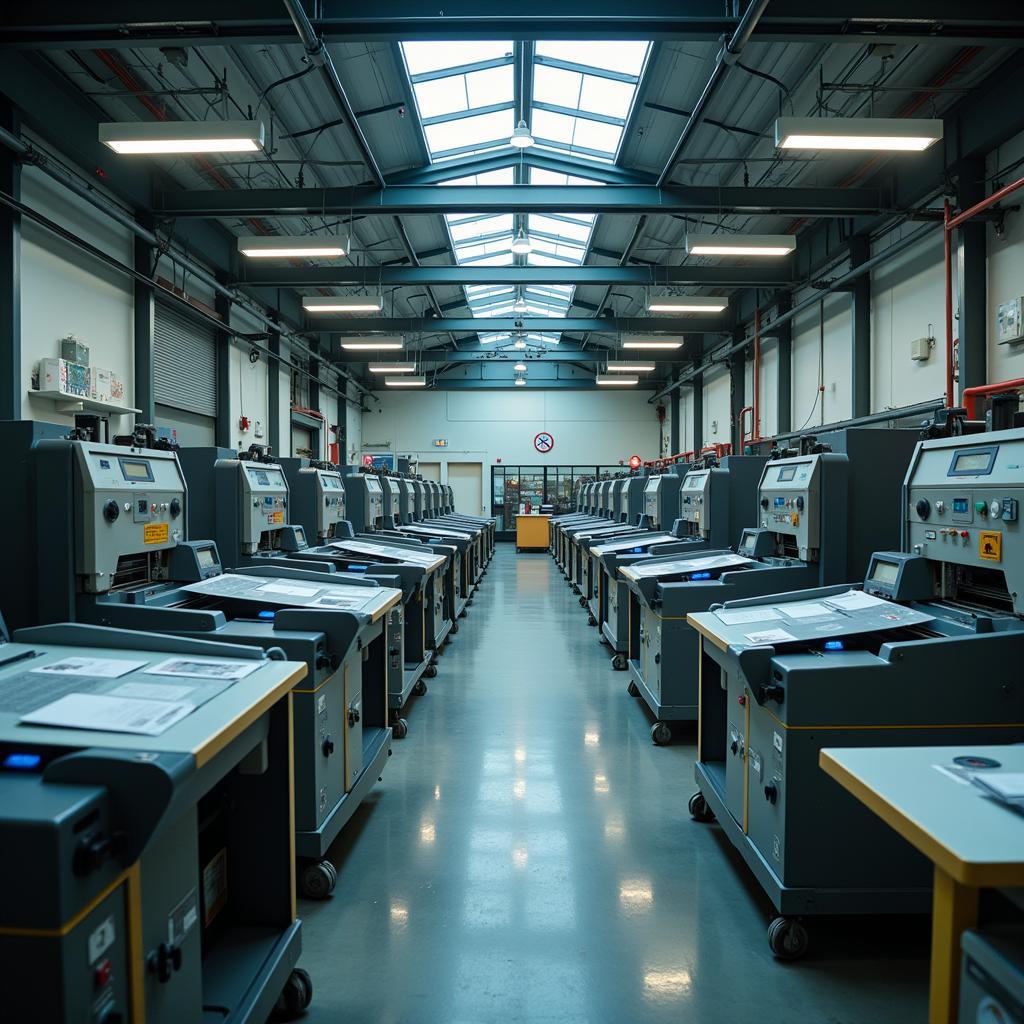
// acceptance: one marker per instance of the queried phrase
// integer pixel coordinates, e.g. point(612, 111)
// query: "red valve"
point(741, 700)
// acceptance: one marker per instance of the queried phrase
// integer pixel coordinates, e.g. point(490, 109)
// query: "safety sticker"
point(275, 518)
point(155, 533)
point(990, 545)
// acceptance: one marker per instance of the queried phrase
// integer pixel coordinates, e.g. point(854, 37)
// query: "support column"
point(144, 323)
point(342, 438)
point(698, 412)
point(11, 386)
point(673, 408)
point(274, 393)
point(222, 430)
point(784, 366)
point(737, 390)
point(973, 325)
point(860, 316)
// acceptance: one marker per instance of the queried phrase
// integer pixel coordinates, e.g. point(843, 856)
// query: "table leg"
point(954, 910)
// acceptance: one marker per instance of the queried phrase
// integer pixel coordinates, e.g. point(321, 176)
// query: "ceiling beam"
point(774, 275)
point(341, 324)
point(445, 383)
point(798, 201)
point(490, 355)
point(63, 24)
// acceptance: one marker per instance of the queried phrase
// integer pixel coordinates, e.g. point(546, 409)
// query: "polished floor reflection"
point(529, 858)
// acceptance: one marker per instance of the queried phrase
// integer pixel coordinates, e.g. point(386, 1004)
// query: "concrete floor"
point(529, 858)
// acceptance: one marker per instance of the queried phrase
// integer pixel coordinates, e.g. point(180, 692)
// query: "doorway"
point(429, 471)
point(466, 479)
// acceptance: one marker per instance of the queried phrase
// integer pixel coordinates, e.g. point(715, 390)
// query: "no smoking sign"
point(543, 442)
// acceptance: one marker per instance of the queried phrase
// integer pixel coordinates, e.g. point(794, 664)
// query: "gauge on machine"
point(995, 508)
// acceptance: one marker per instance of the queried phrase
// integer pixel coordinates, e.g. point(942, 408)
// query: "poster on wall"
point(380, 460)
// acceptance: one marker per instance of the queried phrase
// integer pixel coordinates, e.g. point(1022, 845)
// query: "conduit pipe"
point(971, 395)
point(32, 156)
point(950, 224)
point(727, 56)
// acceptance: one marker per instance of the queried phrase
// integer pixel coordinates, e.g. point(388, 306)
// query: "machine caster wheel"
point(295, 997)
point(633, 690)
point(603, 640)
point(470, 601)
point(455, 628)
point(430, 672)
point(661, 734)
point(420, 687)
point(698, 808)
point(619, 664)
point(399, 728)
point(462, 614)
point(583, 601)
point(787, 938)
point(318, 880)
point(591, 621)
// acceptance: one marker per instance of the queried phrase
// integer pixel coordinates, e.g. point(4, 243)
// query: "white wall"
point(589, 427)
point(1005, 266)
point(717, 426)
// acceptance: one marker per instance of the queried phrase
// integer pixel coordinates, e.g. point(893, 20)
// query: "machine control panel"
point(130, 501)
point(331, 501)
point(962, 508)
point(264, 502)
point(620, 502)
point(695, 500)
point(789, 503)
point(651, 504)
point(374, 499)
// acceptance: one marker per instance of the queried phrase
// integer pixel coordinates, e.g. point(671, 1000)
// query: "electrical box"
point(74, 351)
point(920, 349)
point(1009, 324)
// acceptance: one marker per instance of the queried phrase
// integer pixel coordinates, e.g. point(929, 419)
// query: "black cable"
point(768, 78)
point(281, 81)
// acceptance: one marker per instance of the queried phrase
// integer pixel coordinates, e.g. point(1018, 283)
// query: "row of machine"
point(211, 654)
point(862, 588)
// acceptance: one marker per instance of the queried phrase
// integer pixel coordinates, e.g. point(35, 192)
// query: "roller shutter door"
point(184, 362)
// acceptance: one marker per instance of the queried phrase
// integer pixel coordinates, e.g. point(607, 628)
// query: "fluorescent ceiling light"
point(285, 246)
point(520, 367)
point(392, 368)
point(406, 382)
point(630, 367)
point(686, 304)
point(342, 303)
point(644, 341)
point(373, 342)
point(615, 380)
point(520, 383)
point(521, 137)
point(740, 245)
point(521, 244)
point(905, 134)
point(133, 137)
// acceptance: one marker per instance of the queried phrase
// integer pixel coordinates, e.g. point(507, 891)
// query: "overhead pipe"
point(971, 395)
point(32, 156)
point(727, 56)
point(950, 224)
point(838, 284)
point(318, 53)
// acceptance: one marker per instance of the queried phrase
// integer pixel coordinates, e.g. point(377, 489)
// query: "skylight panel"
point(556, 85)
point(557, 228)
point(495, 85)
point(463, 229)
point(502, 176)
point(422, 57)
point(605, 96)
point(623, 56)
point(479, 132)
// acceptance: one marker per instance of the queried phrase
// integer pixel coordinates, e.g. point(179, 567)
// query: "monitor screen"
point(885, 572)
point(747, 544)
point(373, 485)
point(973, 462)
point(695, 481)
point(206, 558)
point(786, 473)
point(136, 470)
point(652, 485)
point(270, 477)
point(331, 483)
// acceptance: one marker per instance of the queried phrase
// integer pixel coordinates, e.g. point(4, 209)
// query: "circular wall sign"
point(543, 442)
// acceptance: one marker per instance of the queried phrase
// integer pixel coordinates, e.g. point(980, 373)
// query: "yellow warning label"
point(155, 533)
point(275, 517)
point(990, 545)
point(795, 518)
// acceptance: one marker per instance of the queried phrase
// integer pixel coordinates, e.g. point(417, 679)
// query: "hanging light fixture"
point(903, 134)
point(405, 382)
point(520, 367)
point(373, 342)
point(740, 245)
point(520, 382)
point(520, 306)
point(686, 304)
point(156, 137)
point(520, 343)
point(629, 367)
point(615, 380)
point(392, 368)
point(521, 244)
point(521, 137)
point(342, 303)
point(270, 247)
point(651, 341)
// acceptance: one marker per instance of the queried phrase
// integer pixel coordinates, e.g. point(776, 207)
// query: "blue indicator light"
point(358, 568)
point(700, 576)
point(267, 613)
point(637, 551)
point(22, 762)
point(834, 645)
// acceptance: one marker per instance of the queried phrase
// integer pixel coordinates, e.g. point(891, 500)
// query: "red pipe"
point(743, 412)
point(755, 429)
point(971, 394)
point(984, 204)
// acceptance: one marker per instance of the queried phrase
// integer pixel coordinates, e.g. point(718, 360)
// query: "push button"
point(102, 974)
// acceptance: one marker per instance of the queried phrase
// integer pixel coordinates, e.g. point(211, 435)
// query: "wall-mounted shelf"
point(69, 404)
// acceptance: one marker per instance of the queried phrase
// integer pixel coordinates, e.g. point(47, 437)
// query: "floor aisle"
point(528, 858)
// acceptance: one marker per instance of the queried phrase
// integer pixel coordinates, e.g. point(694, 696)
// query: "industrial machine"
point(822, 509)
point(716, 498)
point(317, 498)
point(364, 498)
point(599, 517)
point(146, 864)
point(992, 976)
point(926, 652)
point(451, 517)
point(661, 497)
point(584, 497)
point(106, 528)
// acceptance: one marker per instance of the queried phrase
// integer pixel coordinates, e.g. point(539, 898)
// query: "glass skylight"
point(582, 95)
